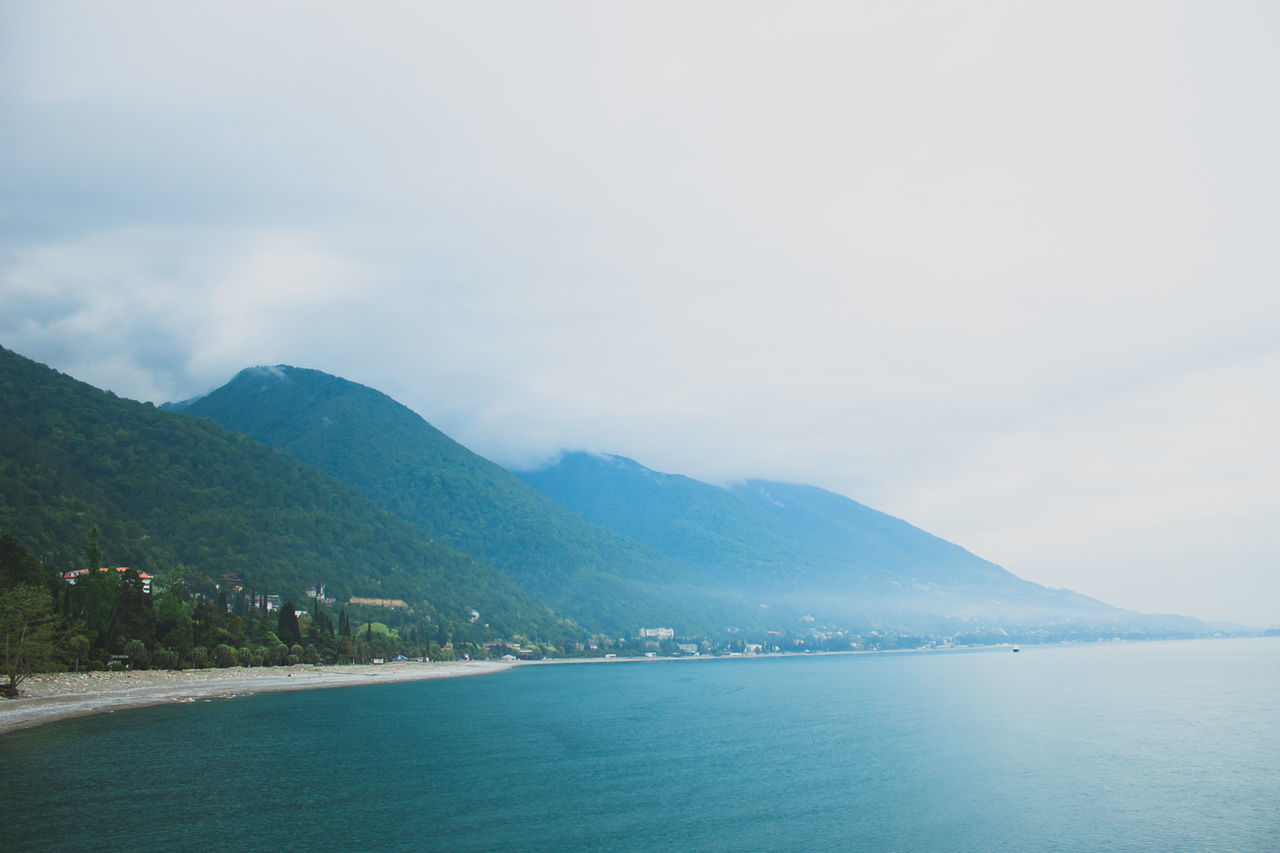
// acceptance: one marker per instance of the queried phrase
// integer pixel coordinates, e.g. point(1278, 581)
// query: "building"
point(378, 602)
point(70, 578)
point(657, 633)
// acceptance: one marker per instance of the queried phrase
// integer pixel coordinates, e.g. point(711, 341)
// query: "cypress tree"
point(287, 626)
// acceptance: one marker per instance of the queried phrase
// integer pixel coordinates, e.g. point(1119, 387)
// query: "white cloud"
point(160, 314)
point(1004, 270)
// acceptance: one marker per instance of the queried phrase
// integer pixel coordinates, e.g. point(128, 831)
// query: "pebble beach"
point(48, 697)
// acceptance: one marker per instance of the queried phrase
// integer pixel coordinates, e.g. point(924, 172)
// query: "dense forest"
point(121, 618)
point(125, 619)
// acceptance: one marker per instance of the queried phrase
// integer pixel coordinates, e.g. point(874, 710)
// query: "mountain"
point(358, 492)
point(615, 545)
point(366, 439)
point(168, 491)
point(802, 549)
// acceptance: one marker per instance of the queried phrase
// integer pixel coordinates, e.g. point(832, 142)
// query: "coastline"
point(49, 697)
point(57, 696)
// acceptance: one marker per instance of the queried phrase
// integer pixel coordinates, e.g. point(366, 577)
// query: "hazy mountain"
point(372, 500)
point(801, 548)
point(370, 441)
point(166, 490)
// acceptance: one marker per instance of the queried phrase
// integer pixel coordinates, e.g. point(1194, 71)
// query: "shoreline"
point(48, 697)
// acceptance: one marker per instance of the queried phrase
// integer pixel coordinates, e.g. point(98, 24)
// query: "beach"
point(54, 696)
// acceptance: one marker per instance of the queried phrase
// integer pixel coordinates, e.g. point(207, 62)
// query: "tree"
point(17, 564)
point(92, 552)
point(287, 626)
point(137, 652)
point(77, 648)
point(322, 626)
point(137, 618)
point(224, 655)
point(173, 622)
point(26, 633)
point(98, 595)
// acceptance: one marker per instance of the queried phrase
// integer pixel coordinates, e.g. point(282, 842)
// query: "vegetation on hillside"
point(168, 494)
point(110, 619)
point(380, 447)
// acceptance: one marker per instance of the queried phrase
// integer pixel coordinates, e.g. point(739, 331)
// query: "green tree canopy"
point(287, 628)
point(17, 564)
point(26, 633)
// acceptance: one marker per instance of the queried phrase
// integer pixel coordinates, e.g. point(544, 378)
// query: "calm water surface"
point(1147, 746)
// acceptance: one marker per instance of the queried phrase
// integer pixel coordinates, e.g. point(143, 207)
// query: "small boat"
point(1016, 649)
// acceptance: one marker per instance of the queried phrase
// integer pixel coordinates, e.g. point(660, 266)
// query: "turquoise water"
point(1152, 746)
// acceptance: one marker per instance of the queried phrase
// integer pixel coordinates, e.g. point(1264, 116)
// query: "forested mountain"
point(803, 548)
point(370, 441)
point(621, 545)
point(167, 491)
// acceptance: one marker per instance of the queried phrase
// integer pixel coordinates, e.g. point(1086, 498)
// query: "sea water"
point(1139, 746)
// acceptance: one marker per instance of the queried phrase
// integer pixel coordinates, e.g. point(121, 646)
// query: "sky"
point(1005, 270)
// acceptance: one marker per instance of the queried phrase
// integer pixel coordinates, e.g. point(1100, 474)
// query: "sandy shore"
point(54, 697)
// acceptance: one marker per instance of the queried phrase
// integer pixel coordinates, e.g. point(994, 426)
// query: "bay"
point(1141, 746)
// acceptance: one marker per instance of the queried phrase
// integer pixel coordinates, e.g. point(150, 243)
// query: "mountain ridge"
point(803, 538)
point(761, 553)
point(167, 491)
point(398, 459)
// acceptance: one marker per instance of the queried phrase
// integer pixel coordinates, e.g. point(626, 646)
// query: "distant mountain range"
point(307, 477)
point(799, 548)
point(620, 544)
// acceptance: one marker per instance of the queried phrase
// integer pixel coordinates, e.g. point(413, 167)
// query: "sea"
point(1154, 746)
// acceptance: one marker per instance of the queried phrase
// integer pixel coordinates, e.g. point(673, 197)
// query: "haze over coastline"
point(1007, 272)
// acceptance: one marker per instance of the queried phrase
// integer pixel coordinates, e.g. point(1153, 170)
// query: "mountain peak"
point(278, 372)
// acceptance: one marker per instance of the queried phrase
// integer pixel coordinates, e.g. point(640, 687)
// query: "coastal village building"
point(269, 603)
point(657, 633)
point(316, 591)
point(378, 602)
point(72, 576)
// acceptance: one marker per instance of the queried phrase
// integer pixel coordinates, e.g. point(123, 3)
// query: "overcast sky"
point(1010, 271)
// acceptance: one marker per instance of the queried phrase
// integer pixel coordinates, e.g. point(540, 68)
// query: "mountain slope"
point(391, 454)
point(803, 548)
point(167, 490)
